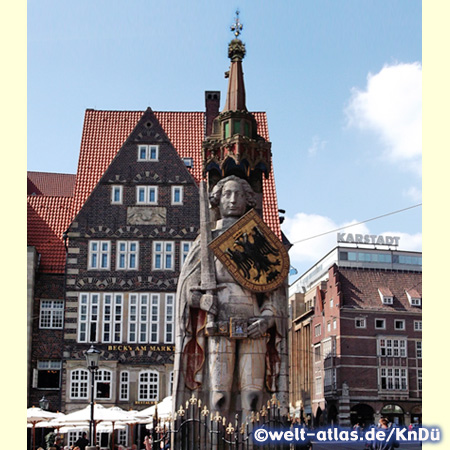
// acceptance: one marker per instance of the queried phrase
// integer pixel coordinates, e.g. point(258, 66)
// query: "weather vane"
point(237, 26)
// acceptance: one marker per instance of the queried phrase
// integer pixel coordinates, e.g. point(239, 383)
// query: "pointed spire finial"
point(237, 26)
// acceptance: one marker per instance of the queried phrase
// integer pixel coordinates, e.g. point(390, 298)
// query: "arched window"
point(79, 379)
point(149, 385)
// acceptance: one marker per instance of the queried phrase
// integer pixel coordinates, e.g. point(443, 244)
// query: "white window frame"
point(317, 330)
point(419, 379)
point(169, 330)
point(397, 322)
point(419, 349)
point(145, 152)
point(112, 318)
point(417, 325)
point(96, 255)
point(396, 378)
point(390, 347)
point(124, 385)
point(383, 327)
point(185, 247)
point(88, 317)
point(47, 365)
point(360, 322)
point(162, 254)
point(122, 437)
point(80, 384)
point(119, 190)
point(170, 384)
point(181, 195)
point(147, 190)
point(51, 315)
point(138, 318)
point(154, 318)
point(334, 324)
point(318, 386)
point(146, 386)
point(103, 376)
point(331, 302)
point(126, 257)
point(328, 327)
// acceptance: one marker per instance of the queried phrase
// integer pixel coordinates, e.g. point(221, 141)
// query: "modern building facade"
point(356, 337)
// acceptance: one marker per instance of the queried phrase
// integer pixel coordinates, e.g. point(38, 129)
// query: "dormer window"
point(415, 299)
point(148, 152)
point(188, 162)
point(387, 298)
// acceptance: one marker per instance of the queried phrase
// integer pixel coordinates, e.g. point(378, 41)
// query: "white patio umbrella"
point(164, 409)
point(36, 415)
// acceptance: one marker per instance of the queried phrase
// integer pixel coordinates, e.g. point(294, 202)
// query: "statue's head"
point(233, 196)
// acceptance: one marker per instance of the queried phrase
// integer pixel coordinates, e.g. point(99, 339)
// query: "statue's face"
point(232, 201)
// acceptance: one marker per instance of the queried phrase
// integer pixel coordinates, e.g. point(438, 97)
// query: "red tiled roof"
point(360, 288)
point(104, 132)
point(53, 184)
point(47, 219)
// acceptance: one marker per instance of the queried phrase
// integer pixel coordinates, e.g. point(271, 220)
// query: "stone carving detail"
point(146, 215)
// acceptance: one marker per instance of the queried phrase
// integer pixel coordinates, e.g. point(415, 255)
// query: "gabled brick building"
point(361, 310)
point(110, 255)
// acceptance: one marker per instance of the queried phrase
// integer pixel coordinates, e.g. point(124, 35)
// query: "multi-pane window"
point(170, 305)
point(116, 195)
point(79, 384)
point(154, 318)
point(103, 384)
point(148, 152)
point(419, 379)
point(99, 255)
point(51, 314)
point(122, 438)
point(124, 386)
point(380, 324)
point(360, 322)
point(148, 385)
point(185, 246)
point(393, 378)
point(163, 255)
point(418, 349)
point(88, 317)
point(138, 314)
point(112, 317)
point(177, 195)
point(73, 436)
point(127, 255)
point(417, 325)
point(147, 195)
point(318, 330)
point(48, 374)
point(399, 324)
point(392, 347)
point(170, 386)
point(317, 354)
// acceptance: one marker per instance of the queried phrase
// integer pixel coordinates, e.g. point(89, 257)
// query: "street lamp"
point(43, 403)
point(92, 359)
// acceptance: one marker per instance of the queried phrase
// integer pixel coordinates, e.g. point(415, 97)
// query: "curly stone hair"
point(215, 194)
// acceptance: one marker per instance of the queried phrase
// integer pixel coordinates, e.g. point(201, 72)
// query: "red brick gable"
point(52, 184)
point(47, 219)
point(360, 288)
point(104, 133)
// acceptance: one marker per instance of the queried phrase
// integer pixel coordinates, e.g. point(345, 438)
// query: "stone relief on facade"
point(146, 215)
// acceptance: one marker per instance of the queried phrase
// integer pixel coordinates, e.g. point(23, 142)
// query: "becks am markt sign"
point(373, 239)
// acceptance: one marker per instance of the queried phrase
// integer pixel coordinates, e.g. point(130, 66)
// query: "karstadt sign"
point(374, 239)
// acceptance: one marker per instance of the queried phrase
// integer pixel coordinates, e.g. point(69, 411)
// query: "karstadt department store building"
point(356, 337)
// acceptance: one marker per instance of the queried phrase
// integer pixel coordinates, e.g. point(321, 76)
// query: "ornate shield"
point(253, 254)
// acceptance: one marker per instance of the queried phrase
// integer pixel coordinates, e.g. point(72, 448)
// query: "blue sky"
point(340, 82)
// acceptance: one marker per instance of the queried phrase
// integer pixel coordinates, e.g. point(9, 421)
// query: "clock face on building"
point(253, 254)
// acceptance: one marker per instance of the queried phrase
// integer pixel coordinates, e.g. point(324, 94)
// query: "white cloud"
point(316, 145)
point(413, 193)
point(391, 106)
point(304, 230)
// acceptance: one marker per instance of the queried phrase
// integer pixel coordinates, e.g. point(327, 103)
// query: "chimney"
point(212, 104)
